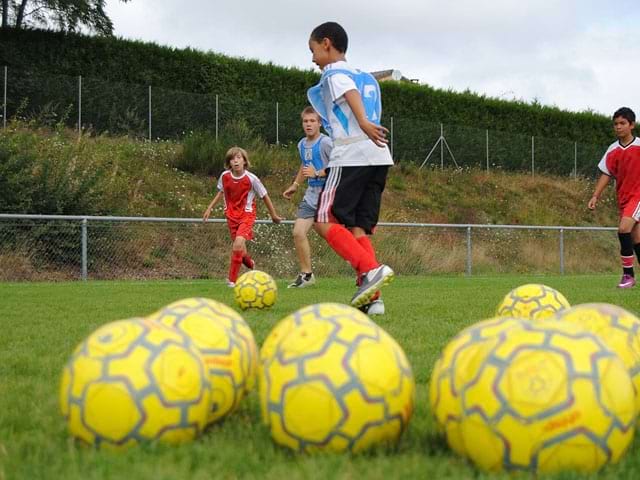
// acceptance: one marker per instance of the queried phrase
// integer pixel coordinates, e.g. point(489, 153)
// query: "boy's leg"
point(364, 240)
point(635, 236)
point(336, 209)
point(367, 213)
point(248, 262)
point(238, 249)
point(627, 225)
point(301, 228)
point(245, 231)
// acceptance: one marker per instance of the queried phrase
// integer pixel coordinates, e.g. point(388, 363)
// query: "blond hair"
point(309, 111)
point(232, 152)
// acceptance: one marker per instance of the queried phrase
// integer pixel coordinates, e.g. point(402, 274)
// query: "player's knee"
point(299, 233)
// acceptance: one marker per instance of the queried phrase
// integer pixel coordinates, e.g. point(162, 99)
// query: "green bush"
point(202, 153)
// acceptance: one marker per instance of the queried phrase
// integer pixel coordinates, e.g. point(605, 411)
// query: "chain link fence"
point(55, 248)
point(96, 105)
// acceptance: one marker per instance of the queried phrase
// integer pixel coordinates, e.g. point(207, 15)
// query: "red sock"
point(247, 261)
point(365, 242)
point(344, 244)
point(234, 268)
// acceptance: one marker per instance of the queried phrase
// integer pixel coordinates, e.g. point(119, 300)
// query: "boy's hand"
point(592, 203)
point(276, 219)
point(206, 215)
point(377, 133)
point(288, 193)
point(308, 171)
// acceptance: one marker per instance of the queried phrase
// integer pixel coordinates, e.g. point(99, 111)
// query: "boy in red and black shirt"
point(622, 162)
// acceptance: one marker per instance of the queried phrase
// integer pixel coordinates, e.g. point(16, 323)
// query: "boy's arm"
point(309, 172)
point(600, 186)
point(377, 133)
point(272, 211)
point(288, 193)
point(213, 203)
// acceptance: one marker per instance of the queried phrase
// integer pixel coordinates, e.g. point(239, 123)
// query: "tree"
point(65, 15)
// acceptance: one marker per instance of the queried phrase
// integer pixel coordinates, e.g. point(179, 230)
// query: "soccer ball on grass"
point(255, 289)
point(548, 397)
point(532, 301)
point(336, 383)
point(132, 381)
point(226, 344)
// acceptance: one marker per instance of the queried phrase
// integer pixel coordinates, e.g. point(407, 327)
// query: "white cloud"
point(575, 55)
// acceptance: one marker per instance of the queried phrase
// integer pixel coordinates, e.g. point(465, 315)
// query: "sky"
point(574, 55)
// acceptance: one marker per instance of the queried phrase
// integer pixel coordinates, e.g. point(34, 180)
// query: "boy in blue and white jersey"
point(314, 150)
point(348, 101)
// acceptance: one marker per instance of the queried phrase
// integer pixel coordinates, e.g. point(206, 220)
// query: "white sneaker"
point(374, 308)
point(371, 283)
point(303, 280)
point(231, 284)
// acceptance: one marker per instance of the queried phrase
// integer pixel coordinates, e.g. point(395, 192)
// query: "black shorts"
point(351, 196)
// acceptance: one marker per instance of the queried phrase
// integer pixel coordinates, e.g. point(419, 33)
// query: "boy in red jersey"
point(239, 187)
point(622, 162)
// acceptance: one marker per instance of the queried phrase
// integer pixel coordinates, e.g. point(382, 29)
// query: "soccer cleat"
point(627, 281)
point(374, 308)
point(371, 283)
point(231, 284)
point(303, 280)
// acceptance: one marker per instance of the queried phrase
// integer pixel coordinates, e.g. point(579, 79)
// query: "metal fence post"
point(441, 147)
point(4, 101)
point(391, 137)
point(277, 122)
point(487, 147)
point(562, 251)
point(149, 112)
point(469, 251)
point(84, 249)
point(79, 104)
point(217, 118)
point(533, 156)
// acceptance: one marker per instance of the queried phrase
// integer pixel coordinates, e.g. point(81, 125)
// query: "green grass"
point(40, 323)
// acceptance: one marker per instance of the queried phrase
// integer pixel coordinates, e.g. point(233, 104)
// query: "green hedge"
point(44, 66)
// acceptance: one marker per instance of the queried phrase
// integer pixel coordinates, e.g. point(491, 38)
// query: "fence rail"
point(143, 111)
point(60, 247)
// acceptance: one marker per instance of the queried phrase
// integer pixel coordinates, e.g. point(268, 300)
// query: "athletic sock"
point(234, 268)
point(344, 244)
point(247, 261)
point(636, 247)
point(626, 253)
point(365, 243)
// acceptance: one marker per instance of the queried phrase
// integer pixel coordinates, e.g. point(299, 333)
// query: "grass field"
point(41, 323)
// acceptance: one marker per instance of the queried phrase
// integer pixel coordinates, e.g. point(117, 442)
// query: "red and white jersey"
point(623, 163)
point(240, 193)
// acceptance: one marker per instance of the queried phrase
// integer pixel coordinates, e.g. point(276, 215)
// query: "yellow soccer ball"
point(132, 381)
point(336, 311)
point(255, 289)
point(334, 385)
point(548, 397)
point(619, 328)
point(226, 344)
point(456, 367)
point(532, 301)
